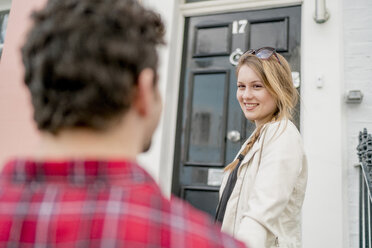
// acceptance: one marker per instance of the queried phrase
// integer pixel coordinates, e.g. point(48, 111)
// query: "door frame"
point(225, 6)
point(171, 99)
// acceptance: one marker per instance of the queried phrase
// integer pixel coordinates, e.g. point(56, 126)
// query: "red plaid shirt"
point(96, 204)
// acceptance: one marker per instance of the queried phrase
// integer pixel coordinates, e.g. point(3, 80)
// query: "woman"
point(263, 190)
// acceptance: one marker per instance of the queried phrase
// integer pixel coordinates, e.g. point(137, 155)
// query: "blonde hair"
point(277, 79)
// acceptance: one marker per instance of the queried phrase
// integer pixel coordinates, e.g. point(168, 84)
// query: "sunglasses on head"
point(264, 53)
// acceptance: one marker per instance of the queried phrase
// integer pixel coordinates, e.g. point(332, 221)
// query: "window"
point(4, 15)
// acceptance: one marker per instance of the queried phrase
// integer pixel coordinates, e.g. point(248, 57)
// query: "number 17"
point(239, 26)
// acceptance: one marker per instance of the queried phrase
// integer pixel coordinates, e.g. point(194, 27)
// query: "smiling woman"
point(264, 187)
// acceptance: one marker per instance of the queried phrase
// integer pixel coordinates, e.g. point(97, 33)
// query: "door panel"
point(206, 122)
point(205, 43)
point(201, 197)
point(274, 33)
point(210, 120)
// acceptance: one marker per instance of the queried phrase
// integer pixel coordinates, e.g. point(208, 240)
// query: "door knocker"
point(235, 56)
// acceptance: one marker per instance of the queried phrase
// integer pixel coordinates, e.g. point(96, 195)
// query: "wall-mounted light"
point(354, 96)
point(321, 14)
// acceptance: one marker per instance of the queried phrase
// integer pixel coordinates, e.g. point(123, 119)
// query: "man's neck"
point(116, 143)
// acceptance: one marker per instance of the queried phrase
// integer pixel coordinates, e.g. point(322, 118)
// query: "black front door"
point(210, 124)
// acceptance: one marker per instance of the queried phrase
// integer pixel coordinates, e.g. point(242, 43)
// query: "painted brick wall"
point(357, 75)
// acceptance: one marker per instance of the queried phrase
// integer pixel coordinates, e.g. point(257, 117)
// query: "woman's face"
point(254, 99)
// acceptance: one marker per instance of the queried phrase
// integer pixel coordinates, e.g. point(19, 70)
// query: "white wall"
point(358, 75)
point(323, 116)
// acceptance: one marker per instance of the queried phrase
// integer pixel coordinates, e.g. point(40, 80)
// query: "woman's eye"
point(241, 86)
point(256, 86)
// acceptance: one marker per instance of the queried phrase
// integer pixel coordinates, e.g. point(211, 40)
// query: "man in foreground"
point(90, 66)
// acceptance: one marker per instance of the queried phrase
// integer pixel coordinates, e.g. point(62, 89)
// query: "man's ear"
point(145, 92)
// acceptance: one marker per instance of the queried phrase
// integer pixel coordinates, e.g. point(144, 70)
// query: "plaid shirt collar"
point(75, 172)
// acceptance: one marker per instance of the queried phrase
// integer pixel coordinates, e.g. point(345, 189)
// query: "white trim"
point(224, 6)
point(171, 107)
point(170, 110)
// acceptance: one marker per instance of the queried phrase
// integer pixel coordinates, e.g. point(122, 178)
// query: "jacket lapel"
point(255, 148)
point(250, 154)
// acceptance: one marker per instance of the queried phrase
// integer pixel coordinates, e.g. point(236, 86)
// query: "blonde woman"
point(263, 189)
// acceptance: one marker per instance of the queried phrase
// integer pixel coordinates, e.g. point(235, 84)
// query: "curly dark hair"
point(82, 60)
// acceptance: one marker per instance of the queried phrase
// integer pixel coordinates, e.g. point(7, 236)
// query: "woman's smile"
point(250, 106)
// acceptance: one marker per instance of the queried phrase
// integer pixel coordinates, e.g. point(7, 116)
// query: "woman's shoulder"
point(283, 129)
point(281, 125)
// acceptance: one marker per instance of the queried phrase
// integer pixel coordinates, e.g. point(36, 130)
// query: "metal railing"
point(365, 199)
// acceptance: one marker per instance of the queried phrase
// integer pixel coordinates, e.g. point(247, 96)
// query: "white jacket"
point(264, 209)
